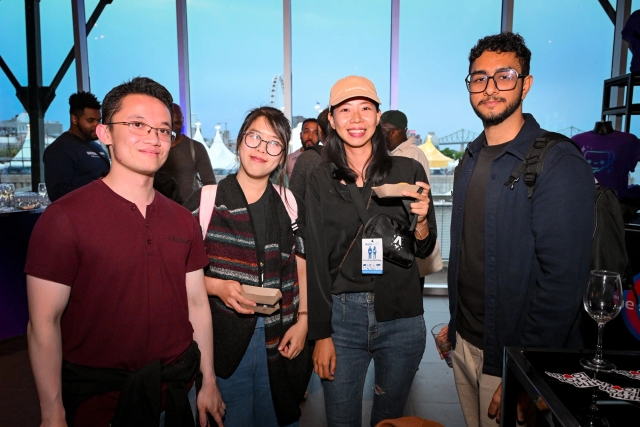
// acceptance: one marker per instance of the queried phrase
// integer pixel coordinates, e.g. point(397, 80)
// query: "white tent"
point(197, 136)
point(221, 157)
point(295, 144)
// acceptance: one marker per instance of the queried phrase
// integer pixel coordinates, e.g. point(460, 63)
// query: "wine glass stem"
point(598, 358)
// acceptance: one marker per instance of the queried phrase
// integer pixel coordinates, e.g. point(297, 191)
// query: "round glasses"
point(504, 80)
point(253, 140)
point(142, 129)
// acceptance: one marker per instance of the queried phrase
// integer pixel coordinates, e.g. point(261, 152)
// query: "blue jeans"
point(396, 347)
point(247, 392)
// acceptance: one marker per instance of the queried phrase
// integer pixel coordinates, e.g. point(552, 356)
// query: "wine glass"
point(42, 191)
point(3, 195)
point(11, 189)
point(603, 301)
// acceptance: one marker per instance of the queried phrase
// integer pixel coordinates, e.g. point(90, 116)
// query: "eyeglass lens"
point(504, 80)
point(253, 140)
point(138, 128)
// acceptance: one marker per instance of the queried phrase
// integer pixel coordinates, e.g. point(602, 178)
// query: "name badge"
point(371, 256)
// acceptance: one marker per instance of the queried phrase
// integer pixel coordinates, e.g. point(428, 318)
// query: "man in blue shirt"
point(75, 158)
point(518, 266)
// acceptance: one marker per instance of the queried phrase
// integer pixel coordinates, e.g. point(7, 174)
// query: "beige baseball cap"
point(352, 87)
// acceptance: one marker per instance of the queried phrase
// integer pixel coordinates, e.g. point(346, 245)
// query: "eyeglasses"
point(253, 140)
point(142, 129)
point(504, 80)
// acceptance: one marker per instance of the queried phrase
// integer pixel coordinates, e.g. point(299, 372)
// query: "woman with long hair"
point(355, 316)
point(261, 361)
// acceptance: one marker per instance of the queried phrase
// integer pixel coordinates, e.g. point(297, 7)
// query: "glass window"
point(133, 39)
point(56, 40)
point(14, 53)
point(569, 67)
point(335, 39)
point(435, 40)
point(235, 64)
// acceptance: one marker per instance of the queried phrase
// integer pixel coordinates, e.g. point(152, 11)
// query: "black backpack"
point(608, 250)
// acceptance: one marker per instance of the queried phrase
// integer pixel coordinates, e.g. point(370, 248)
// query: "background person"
point(188, 162)
point(262, 362)
point(309, 160)
point(394, 127)
point(344, 304)
point(75, 158)
point(309, 136)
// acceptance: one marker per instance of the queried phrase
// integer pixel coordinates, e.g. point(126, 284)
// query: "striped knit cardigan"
point(232, 252)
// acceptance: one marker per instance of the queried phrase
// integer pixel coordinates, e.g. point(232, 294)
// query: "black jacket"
point(332, 223)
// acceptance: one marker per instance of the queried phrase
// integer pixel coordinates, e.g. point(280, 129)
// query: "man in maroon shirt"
point(116, 286)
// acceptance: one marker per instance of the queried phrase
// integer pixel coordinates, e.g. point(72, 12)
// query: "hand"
point(442, 336)
point(293, 341)
point(524, 408)
point(324, 359)
point(210, 401)
point(230, 292)
point(421, 206)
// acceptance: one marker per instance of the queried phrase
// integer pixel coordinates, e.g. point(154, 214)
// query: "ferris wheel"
point(276, 98)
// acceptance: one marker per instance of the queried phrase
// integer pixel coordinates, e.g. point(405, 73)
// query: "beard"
point(489, 120)
point(88, 135)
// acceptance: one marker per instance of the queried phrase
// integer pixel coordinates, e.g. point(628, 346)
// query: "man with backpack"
point(519, 258)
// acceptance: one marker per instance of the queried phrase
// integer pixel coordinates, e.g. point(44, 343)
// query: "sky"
point(236, 50)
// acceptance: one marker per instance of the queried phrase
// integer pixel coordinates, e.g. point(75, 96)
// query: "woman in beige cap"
point(355, 316)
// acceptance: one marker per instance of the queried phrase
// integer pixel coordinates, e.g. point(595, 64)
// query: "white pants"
point(475, 389)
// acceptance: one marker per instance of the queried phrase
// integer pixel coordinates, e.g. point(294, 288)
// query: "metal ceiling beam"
point(609, 10)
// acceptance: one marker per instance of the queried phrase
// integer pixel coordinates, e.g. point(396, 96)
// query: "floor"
point(433, 395)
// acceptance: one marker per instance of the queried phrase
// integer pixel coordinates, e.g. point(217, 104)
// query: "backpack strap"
point(208, 199)
point(207, 202)
point(533, 163)
point(290, 204)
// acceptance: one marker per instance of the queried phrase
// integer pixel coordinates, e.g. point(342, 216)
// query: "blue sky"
point(236, 49)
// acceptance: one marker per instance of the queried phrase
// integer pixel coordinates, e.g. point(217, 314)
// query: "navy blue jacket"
point(71, 162)
point(536, 250)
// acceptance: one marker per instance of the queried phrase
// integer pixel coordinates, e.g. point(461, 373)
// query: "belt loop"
point(343, 298)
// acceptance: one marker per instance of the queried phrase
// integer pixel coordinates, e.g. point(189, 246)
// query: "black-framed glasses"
point(142, 129)
point(253, 140)
point(503, 80)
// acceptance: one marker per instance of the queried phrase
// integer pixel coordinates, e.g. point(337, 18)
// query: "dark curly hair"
point(81, 100)
point(502, 43)
point(137, 86)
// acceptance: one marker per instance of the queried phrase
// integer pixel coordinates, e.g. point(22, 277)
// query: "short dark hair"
point(323, 121)
point(503, 43)
point(279, 124)
point(379, 162)
point(137, 86)
point(312, 120)
point(81, 100)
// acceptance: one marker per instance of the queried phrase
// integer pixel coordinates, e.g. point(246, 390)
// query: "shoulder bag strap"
point(358, 201)
point(207, 202)
point(198, 181)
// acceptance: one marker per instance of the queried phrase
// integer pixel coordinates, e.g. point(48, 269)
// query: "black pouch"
point(398, 241)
